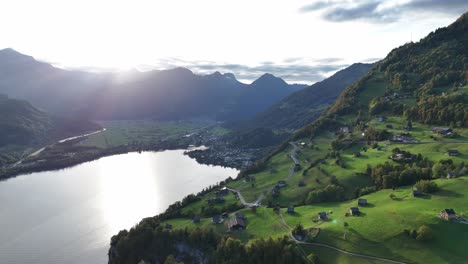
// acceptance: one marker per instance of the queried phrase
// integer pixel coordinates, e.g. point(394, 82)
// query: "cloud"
point(371, 60)
point(315, 6)
point(382, 11)
point(292, 70)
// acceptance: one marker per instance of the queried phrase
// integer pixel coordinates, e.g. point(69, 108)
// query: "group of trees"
point(450, 110)
point(424, 233)
point(426, 186)
point(445, 166)
point(388, 175)
point(373, 134)
point(151, 243)
point(379, 105)
point(281, 250)
point(330, 193)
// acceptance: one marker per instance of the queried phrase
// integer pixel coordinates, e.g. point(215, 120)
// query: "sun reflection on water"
point(128, 190)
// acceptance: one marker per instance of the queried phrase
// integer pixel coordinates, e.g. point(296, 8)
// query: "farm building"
point(452, 152)
point(448, 214)
point(344, 129)
point(216, 219)
point(354, 211)
point(236, 223)
point(281, 184)
point(442, 130)
point(323, 216)
point(451, 175)
point(362, 202)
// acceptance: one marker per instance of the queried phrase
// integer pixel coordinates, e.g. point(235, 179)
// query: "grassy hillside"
point(377, 141)
point(378, 231)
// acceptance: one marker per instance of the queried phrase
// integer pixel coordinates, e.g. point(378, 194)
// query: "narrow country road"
point(35, 153)
point(260, 197)
point(293, 157)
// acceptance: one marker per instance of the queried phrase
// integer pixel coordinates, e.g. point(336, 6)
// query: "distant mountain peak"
point(11, 54)
point(179, 71)
point(230, 76)
point(217, 74)
point(220, 75)
point(270, 79)
point(10, 50)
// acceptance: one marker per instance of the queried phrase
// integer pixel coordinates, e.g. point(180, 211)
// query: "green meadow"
point(378, 231)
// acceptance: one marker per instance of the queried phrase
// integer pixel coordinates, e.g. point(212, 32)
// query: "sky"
point(302, 41)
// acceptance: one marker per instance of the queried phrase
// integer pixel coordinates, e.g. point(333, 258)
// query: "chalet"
point(216, 219)
point(290, 210)
point(402, 156)
point(381, 118)
point(302, 144)
point(298, 237)
point(241, 216)
point(362, 202)
point(344, 129)
point(448, 214)
point(402, 138)
point(281, 184)
point(297, 166)
point(323, 216)
point(417, 193)
point(354, 211)
point(196, 219)
point(225, 215)
point(224, 191)
point(442, 130)
point(301, 183)
point(451, 175)
point(452, 152)
point(236, 223)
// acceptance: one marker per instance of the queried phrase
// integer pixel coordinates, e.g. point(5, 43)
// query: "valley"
point(203, 144)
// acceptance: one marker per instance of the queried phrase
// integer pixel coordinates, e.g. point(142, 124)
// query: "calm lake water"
point(69, 216)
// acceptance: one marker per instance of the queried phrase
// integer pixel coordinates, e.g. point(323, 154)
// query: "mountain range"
point(304, 106)
point(162, 95)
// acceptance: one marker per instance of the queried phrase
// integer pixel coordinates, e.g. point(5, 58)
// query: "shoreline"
point(53, 165)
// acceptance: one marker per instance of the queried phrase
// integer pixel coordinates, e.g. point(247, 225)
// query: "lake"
point(69, 215)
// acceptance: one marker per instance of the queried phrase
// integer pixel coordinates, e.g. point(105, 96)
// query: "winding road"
point(260, 197)
point(35, 153)
point(290, 174)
